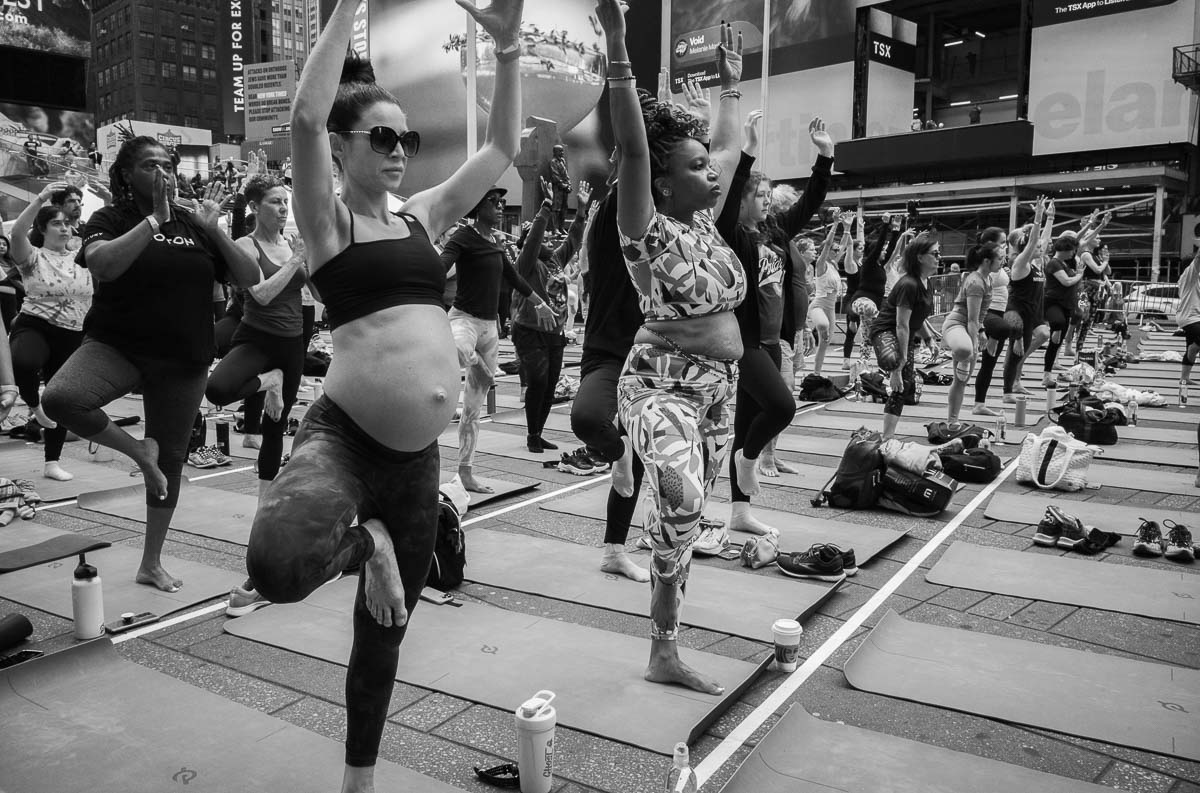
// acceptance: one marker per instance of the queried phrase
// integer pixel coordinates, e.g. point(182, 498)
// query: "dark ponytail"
point(980, 254)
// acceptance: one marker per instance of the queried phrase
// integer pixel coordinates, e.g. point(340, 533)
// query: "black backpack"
point(873, 385)
point(940, 432)
point(921, 495)
point(858, 480)
point(815, 388)
point(971, 465)
point(449, 551)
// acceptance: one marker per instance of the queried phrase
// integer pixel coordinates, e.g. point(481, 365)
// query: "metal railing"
point(1185, 65)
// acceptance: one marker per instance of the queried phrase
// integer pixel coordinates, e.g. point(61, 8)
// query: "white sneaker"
point(244, 601)
point(712, 541)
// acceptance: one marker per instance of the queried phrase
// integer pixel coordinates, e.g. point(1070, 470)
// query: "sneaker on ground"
point(822, 562)
point(712, 541)
point(1179, 543)
point(201, 459)
point(244, 601)
point(576, 463)
point(849, 564)
point(218, 455)
point(599, 464)
point(1049, 529)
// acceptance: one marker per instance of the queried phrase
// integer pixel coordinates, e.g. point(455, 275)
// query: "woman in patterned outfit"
point(49, 328)
point(679, 377)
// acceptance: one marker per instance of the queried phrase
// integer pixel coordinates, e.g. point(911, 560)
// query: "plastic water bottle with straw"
point(682, 779)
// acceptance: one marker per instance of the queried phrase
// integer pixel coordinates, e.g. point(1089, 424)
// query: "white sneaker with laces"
point(711, 541)
point(244, 601)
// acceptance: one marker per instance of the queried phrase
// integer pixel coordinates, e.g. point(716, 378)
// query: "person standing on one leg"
point(822, 313)
point(153, 264)
point(680, 374)
point(894, 332)
point(962, 326)
point(995, 330)
point(58, 294)
point(361, 489)
point(476, 251)
point(1026, 293)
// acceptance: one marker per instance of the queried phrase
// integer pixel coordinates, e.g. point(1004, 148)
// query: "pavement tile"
point(735, 716)
point(1161, 640)
point(917, 588)
point(999, 607)
point(1041, 615)
point(957, 599)
point(428, 712)
point(188, 633)
point(1136, 780)
point(1171, 766)
point(737, 647)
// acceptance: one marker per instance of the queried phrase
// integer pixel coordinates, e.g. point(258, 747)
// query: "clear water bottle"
point(1001, 428)
point(681, 779)
point(1131, 411)
point(1183, 393)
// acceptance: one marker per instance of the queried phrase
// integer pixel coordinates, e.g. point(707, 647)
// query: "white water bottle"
point(535, 743)
point(87, 601)
point(681, 778)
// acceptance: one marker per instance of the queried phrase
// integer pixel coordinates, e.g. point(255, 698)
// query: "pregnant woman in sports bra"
point(680, 375)
point(361, 489)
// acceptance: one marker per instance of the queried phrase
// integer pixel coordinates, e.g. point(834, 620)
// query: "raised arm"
point(823, 257)
point(725, 148)
point(1020, 264)
point(22, 249)
point(242, 268)
point(574, 241)
point(793, 220)
point(635, 204)
point(444, 204)
point(323, 220)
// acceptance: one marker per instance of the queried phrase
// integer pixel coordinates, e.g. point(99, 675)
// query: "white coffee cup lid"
point(787, 626)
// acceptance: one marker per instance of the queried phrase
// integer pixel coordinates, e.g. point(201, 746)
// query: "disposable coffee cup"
point(787, 644)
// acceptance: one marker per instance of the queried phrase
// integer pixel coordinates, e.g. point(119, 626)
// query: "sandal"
point(504, 775)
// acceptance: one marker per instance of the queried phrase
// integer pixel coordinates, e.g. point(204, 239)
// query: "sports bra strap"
point(351, 225)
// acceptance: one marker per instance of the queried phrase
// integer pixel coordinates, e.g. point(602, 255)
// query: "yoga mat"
point(1029, 508)
point(1138, 704)
point(501, 444)
point(1141, 453)
point(796, 532)
point(912, 427)
point(205, 511)
point(25, 544)
point(48, 586)
point(932, 412)
point(802, 754)
point(1168, 594)
point(502, 489)
point(498, 658)
point(26, 462)
point(810, 476)
point(1159, 480)
point(569, 571)
point(557, 421)
point(237, 450)
point(85, 719)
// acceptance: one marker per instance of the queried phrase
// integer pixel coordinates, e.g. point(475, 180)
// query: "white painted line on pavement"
point(169, 622)
point(740, 734)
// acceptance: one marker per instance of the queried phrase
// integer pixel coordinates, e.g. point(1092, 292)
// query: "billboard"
point(424, 65)
point(235, 42)
point(108, 137)
point(891, 79)
point(810, 52)
point(1100, 74)
point(270, 88)
point(59, 26)
point(52, 126)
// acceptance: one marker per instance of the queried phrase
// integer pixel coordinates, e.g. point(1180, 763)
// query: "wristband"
point(731, 93)
point(508, 54)
point(620, 63)
point(154, 224)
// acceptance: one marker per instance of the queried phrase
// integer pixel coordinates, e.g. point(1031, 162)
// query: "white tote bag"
point(1054, 460)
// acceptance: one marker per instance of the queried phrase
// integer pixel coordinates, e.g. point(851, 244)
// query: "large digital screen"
point(424, 63)
point(1100, 74)
point(59, 26)
point(51, 126)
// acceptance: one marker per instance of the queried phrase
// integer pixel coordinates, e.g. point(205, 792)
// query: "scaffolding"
point(1185, 66)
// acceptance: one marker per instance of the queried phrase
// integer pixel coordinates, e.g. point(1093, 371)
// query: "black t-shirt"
point(480, 266)
point(911, 293)
point(161, 307)
point(614, 314)
point(1055, 292)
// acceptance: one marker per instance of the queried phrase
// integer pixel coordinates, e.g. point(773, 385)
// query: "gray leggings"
point(97, 373)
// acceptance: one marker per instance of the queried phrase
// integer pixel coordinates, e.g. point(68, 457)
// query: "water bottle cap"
point(85, 571)
point(536, 705)
point(681, 754)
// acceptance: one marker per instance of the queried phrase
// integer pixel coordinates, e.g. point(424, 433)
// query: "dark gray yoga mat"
point(1181, 433)
point(27, 461)
point(1139, 704)
point(1158, 480)
point(569, 571)
point(48, 586)
point(912, 427)
point(796, 532)
point(500, 489)
point(803, 754)
point(1029, 508)
point(930, 412)
point(502, 444)
point(1144, 453)
point(205, 511)
point(499, 658)
point(1168, 594)
point(85, 719)
point(24, 544)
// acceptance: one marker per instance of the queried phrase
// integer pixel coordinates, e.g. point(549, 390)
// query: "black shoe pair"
point(537, 444)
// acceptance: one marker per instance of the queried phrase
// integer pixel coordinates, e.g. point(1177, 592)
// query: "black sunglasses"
point(384, 139)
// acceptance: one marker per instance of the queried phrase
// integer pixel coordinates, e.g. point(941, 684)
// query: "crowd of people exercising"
point(705, 282)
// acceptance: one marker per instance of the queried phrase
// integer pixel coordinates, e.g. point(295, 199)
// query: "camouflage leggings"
point(676, 410)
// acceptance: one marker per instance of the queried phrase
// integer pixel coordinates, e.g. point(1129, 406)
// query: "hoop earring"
point(666, 192)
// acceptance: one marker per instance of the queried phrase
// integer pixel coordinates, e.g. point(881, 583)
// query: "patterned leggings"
point(676, 410)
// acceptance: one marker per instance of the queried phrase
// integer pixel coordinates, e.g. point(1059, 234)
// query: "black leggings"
point(39, 349)
point(98, 373)
point(1058, 317)
point(887, 354)
point(592, 420)
point(236, 377)
point(305, 532)
point(995, 329)
point(540, 355)
point(1012, 364)
point(764, 409)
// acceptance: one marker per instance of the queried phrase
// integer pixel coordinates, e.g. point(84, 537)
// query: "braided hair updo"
point(667, 125)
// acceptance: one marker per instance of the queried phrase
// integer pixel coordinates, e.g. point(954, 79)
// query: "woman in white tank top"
point(822, 312)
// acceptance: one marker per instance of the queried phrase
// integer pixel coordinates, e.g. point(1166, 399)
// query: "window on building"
point(189, 73)
point(169, 42)
point(187, 22)
point(146, 38)
point(208, 52)
point(189, 121)
point(287, 26)
point(168, 118)
point(187, 48)
point(147, 66)
point(152, 116)
point(170, 69)
point(126, 68)
point(208, 74)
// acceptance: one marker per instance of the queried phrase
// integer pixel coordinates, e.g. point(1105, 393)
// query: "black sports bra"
point(370, 276)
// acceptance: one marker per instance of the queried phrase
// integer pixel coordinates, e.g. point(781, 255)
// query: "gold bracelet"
point(620, 63)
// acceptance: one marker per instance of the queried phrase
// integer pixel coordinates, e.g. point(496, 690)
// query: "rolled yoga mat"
point(14, 629)
point(1138, 704)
